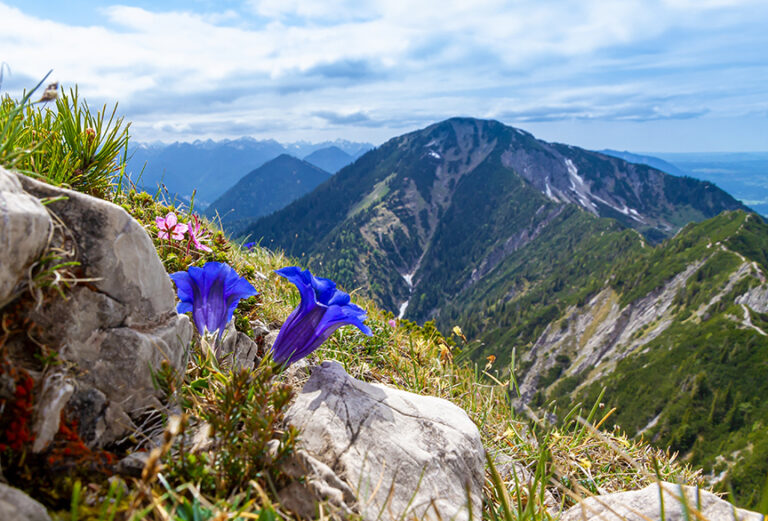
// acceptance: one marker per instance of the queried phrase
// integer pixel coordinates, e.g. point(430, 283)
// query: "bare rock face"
point(403, 455)
point(114, 249)
point(680, 503)
point(15, 505)
point(112, 331)
point(24, 232)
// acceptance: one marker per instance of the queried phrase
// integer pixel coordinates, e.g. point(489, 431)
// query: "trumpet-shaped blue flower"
point(323, 309)
point(211, 293)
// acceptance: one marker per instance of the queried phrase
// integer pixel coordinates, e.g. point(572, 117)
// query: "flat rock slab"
point(403, 455)
point(680, 504)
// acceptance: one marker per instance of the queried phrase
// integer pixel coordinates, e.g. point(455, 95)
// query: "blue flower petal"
point(323, 309)
point(184, 307)
point(183, 286)
point(303, 281)
point(211, 293)
point(325, 289)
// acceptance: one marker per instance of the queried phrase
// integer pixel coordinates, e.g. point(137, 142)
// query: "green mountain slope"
point(267, 189)
point(428, 213)
point(676, 334)
point(578, 261)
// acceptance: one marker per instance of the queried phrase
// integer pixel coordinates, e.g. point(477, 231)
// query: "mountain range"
point(267, 189)
point(644, 159)
point(209, 168)
point(331, 159)
point(596, 272)
point(437, 209)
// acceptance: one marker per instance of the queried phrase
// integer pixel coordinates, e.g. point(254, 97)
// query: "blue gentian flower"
point(323, 309)
point(211, 293)
point(249, 245)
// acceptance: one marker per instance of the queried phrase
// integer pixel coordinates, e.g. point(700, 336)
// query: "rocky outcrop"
point(117, 324)
point(24, 232)
point(402, 455)
point(756, 298)
point(681, 502)
point(15, 505)
point(596, 336)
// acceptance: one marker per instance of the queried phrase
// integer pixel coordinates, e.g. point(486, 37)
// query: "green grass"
point(71, 146)
point(233, 476)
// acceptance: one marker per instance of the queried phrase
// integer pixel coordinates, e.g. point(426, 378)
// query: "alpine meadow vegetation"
point(237, 474)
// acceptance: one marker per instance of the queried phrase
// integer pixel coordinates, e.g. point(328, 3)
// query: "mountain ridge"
point(401, 194)
point(267, 189)
point(210, 168)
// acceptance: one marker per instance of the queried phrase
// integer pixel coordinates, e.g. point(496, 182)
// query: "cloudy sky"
point(640, 75)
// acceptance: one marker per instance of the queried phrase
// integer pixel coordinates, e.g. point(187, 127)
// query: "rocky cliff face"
point(431, 212)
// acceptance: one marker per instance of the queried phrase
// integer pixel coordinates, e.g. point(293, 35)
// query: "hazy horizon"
point(660, 75)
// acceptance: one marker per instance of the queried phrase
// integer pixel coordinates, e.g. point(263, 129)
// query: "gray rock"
point(112, 332)
point(118, 384)
point(24, 232)
point(402, 454)
point(237, 349)
point(56, 391)
point(314, 480)
point(259, 329)
point(644, 505)
point(269, 339)
point(133, 464)
point(114, 249)
point(15, 505)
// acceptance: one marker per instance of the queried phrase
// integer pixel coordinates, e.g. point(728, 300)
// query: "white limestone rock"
point(403, 455)
point(15, 505)
point(645, 505)
point(24, 232)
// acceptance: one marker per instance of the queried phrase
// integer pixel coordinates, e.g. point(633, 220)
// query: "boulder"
point(681, 502)
point(113, 330)
point(403, 455)
point(114, 250)
point(24, 232)
point(15, 505)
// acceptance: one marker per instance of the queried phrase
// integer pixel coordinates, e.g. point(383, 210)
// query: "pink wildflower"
point(197, 234)
point(392, 323)
point(170, 227)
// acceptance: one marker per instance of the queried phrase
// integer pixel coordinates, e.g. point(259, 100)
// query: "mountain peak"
point(453, 200)
point(267, 189)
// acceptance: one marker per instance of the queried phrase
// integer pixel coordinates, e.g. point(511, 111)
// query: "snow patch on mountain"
point(580, 188)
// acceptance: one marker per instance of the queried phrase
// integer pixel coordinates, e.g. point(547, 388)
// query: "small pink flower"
point(392, 322)
point(170, 226)
point(197, 234)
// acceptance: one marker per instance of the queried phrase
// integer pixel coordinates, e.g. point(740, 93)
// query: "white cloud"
point(283, 62)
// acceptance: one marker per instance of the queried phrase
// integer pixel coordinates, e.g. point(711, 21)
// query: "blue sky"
point(640, 75)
